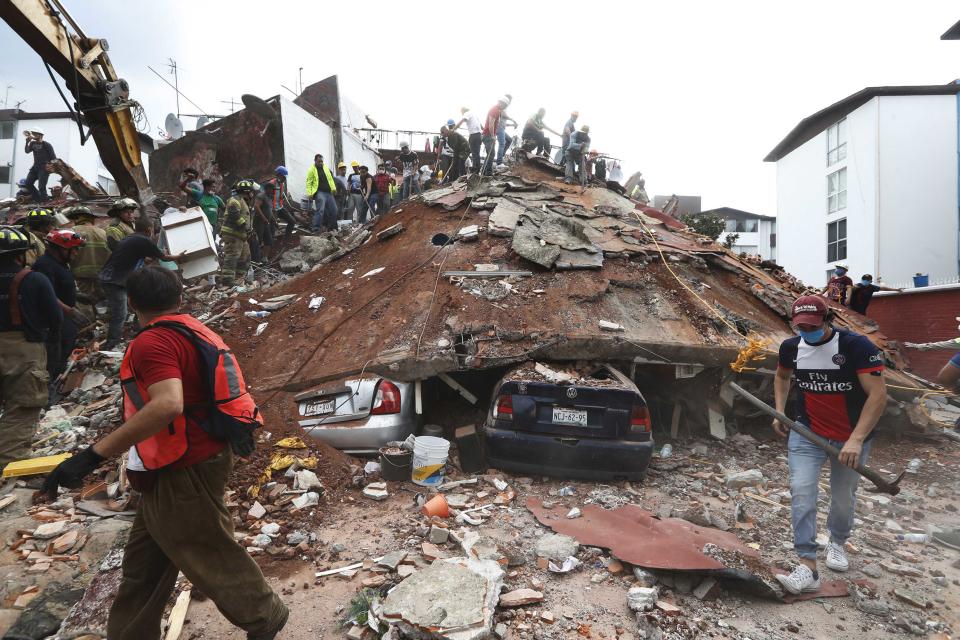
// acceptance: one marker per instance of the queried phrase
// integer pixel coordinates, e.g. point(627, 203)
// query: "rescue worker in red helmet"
point(180, 468)
point(62, 246)
point(28, 314)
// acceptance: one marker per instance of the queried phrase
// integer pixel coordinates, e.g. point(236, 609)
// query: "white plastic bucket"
point(429, 459)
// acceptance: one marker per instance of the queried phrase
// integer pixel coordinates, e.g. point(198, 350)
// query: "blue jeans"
point(117, 304)
point(488, 142)
point(501, 143)
point(410, 183)
point(805, 460)
point(325, 211)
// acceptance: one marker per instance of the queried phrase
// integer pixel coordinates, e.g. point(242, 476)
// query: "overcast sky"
point(694, 94)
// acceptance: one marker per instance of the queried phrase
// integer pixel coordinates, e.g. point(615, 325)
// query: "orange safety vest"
point(231, 405)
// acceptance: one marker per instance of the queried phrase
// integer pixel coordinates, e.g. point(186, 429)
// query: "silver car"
point(359, 415)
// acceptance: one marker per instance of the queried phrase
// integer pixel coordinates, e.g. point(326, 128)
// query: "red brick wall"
point(929, 316)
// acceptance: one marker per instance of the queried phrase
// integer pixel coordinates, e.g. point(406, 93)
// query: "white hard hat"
point(503, 99)
point(37, 130)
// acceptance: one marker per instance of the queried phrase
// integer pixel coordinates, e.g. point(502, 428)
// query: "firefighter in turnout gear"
point(236, 230)
point(29, 316)
point(91, 257)
point(124, 213)
point(39, 223)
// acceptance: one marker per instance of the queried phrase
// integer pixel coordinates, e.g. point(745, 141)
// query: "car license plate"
point(576, 417)
point(318, 407)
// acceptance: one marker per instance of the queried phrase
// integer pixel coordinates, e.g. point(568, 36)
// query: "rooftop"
point(814, 124)
point(728, 213)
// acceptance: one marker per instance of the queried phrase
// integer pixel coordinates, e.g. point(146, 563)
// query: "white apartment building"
point(872, 182)
point(756, 233)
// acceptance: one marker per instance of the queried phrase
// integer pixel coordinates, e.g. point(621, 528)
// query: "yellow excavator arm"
point(101, 96)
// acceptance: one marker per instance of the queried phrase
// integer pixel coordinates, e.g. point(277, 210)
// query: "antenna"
point(174, 126)
point(6, 97)
point(172, 65)
point(300, 90)
point(230, 102)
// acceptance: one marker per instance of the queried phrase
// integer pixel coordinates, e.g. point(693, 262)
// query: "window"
point(7, 130)
point(837, 240)
point(742, 226)
point(5, 174)
point(773, 241)
point(837, 191)
point(837, 143)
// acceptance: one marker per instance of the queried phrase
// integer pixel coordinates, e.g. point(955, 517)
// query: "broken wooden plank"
point(178, 615)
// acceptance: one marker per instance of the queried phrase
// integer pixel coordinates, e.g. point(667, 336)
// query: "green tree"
point(710, 224)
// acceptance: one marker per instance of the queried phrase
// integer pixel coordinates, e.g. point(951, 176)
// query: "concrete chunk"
point(743, 479)
point(557, 547)
point(520, 597)
point(458, 595)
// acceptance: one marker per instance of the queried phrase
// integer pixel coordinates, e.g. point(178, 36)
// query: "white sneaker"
point(837, 557)
point(801, 580)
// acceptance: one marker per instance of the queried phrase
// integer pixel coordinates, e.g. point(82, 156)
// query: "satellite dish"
point(202, 121)
point(258, 105)
point(174, 126)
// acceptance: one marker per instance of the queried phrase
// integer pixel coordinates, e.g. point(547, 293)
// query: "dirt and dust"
point(590, 602)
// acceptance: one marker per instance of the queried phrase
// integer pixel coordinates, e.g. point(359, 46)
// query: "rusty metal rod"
point(882, 484)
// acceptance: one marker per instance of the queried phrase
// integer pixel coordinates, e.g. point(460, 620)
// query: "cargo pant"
point(23, 392)
point(236, 259)
point(182, 524)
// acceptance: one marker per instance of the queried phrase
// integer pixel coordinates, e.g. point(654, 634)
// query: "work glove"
point(79, 317)
point(71, 472)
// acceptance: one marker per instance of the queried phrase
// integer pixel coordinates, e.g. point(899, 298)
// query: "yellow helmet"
point(354, 164)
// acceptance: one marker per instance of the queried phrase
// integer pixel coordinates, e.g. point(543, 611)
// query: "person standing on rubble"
point(576, 156)
point(207, 199)
point(383, 190)
point(191, 186)
point(368, 188)
point(264, 221)
point(344, 201)
point(322, 192)
point(841, 398)
point(90, 257)
point(503, 140)
point(460, 148)
point(568, 130)
point(236, 230)
point(409, 160)
point(123, 212)
point(128, 256)
point(357, 201)
point(29, 316)
point(62, 246)
point(181, 470)
point(281, 199)
point(43, 153)
point(474, 135)
point(862, 293)
point(490, 126)
point(839, 286)
point(533, 131)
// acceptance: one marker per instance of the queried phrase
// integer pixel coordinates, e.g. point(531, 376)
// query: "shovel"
point(882, 484)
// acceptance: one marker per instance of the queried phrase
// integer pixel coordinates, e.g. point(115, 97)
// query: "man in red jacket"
point(182, 523)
